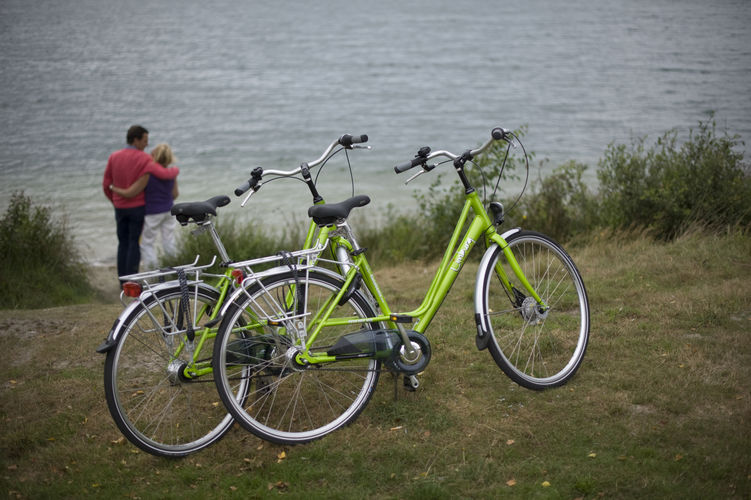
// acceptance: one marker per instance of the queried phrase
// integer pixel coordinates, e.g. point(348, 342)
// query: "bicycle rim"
point(156, 408)
point(537, 348)
point(287, 403)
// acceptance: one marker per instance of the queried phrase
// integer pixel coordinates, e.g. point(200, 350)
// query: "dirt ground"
point(82, 324)
point(104, 279)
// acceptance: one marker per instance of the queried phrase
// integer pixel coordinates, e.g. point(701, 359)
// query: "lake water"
point(234, 84)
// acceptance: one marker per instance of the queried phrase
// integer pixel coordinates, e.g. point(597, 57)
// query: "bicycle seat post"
point(217, 240)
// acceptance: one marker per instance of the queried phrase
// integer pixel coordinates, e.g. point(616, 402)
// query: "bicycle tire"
point(536, 349)
point(289, 404)
point(154, 407)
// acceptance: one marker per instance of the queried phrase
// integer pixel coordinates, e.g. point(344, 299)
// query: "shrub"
point(665, 189)
point(561, 205)
point(39, 263)
point(668, 187)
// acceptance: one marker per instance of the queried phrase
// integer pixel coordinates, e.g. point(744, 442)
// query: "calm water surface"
point(235, 84)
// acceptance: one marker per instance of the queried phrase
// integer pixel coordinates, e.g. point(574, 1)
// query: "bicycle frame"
point(448, 270)
point(480, 226)
point(198, 368)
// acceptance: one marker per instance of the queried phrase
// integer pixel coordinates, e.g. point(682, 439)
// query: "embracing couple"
point(141, 187)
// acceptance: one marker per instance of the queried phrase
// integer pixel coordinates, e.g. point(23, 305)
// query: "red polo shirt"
point(124, 167)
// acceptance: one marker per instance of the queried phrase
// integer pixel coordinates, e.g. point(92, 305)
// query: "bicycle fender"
point(241, 291)
point(117, 326)
point(481, 321)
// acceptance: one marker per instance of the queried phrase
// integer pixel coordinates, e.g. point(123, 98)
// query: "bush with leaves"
point(561, 205)
point(667, 188)
point(40, 265)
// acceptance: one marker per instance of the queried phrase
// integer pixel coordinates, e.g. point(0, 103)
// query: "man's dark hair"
point(135, 132)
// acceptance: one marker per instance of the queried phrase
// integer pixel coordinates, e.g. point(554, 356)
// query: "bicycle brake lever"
point(250, 193)
point(414, 177)
point(360, 146)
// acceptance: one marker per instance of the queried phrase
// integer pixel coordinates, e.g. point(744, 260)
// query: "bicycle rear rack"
point(268, 307)
point(151, 281)
point(305, 259)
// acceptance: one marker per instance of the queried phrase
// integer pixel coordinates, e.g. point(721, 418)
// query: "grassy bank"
point(659, 409)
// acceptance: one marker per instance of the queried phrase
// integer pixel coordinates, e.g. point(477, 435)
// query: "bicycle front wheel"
point(288, 403)
point(537, 347)
point(153, 404)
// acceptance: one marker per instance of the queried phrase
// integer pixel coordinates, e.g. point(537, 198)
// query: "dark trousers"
point(129, 227)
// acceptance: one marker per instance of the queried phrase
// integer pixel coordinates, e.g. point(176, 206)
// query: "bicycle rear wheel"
point(152, 403)
point(288, 403)
point(536, 348)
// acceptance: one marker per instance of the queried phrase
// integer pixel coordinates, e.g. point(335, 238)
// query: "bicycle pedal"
point(411, 383)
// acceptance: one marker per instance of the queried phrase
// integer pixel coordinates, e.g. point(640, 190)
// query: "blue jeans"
point(129, 226)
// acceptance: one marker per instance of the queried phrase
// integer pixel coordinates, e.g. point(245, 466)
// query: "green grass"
point(659, 409)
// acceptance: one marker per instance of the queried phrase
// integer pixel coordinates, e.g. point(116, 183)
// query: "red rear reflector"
point(238, 275)
point(131, 289)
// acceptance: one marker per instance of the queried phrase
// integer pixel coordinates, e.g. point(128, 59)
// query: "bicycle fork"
point(531, 306)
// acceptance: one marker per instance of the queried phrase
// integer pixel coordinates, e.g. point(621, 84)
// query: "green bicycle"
point(299, 353)
point(158, 370)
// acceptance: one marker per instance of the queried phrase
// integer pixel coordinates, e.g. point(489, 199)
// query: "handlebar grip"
point(240, 190)
point(498, 133)
point(347, 140)
point(403, 167)
point(255, 176)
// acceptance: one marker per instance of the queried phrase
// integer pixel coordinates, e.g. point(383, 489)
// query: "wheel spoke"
point(153, 406)
point(536, 347)
point(291, 403)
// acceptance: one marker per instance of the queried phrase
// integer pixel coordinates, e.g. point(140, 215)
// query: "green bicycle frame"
point(448, 270)
point(198, 368)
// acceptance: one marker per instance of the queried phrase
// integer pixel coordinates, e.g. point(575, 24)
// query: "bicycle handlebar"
point(424, 154)
point(346, 141)
point(420, 158)
point(403, 167)
point(255, 176)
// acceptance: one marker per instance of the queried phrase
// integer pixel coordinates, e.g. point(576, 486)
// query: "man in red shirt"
point(125, 167)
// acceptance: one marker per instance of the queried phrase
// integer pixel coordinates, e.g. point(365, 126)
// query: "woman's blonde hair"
point(162, 154)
